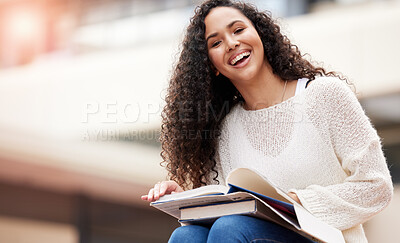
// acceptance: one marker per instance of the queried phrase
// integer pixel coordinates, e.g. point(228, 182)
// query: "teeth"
point(239, 57)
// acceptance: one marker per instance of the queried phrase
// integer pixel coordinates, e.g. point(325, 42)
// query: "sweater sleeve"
point(368, 188)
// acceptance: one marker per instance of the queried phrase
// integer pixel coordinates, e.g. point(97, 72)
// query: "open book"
point(245, 184)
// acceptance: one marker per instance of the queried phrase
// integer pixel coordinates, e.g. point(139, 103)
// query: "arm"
point(368, 188)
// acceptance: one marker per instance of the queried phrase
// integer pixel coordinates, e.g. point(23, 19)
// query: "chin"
point(241, 80)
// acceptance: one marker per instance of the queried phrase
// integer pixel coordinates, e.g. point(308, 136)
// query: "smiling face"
point(234, 46)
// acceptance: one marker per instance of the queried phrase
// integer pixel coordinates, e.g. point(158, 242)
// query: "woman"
point(243, 96)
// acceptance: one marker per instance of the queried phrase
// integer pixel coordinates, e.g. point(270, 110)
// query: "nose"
point(231, 43)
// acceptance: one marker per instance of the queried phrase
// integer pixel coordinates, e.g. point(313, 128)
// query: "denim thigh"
point(189, 234)
point(240, 228)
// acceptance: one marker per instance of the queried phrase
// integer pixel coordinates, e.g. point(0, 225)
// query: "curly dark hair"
point(197, 100)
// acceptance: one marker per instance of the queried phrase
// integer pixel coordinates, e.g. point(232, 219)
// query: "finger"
point(157, 191)
point(173, 187)
point(144, 197)
point(170, 187)
point(163, 188)
point(150, 195)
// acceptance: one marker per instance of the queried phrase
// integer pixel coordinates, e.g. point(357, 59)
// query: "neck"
point(262, 91)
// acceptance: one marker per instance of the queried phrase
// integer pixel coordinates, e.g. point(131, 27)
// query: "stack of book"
point(246, 193)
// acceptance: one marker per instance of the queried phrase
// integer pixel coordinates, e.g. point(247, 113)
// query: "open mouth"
point(240, 58)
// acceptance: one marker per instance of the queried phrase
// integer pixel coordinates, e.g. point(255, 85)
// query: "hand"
point(160, 189)
point(294, 196)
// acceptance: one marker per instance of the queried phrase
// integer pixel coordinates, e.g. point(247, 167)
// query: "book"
point(245, 185)
point(209, 213)
point(220, 209)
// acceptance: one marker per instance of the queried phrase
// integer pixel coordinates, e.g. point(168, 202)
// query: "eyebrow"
point(228, 26)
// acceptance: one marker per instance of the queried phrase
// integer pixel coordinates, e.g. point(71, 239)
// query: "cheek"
point(253, 38)
point(258, 45)
point(257, 41)
point(216, 58)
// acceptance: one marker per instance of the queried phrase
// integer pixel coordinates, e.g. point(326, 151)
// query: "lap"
point(189, 233)
point(237, 228)
point(240, 228)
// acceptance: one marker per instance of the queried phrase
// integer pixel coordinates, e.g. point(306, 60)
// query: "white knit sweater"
point(318, 144)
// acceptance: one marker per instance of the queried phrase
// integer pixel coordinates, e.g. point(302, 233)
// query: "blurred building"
point(81, 91)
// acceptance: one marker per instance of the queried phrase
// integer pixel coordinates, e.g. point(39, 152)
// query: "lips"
point(234, 59)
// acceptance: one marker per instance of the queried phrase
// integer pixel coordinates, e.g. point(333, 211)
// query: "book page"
point(218, 209)
point(316, 227)
point(253, 181)
point(201, 191)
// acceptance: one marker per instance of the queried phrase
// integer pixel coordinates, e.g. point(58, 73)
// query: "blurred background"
point(81, 90)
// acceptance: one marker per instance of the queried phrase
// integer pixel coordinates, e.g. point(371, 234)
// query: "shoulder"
point(330, 98)
point(330, 89)
point(329, 84)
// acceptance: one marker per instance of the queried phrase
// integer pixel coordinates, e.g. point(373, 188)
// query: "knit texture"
point(318, 144)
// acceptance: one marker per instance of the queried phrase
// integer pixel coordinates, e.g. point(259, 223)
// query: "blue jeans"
point(236, 228)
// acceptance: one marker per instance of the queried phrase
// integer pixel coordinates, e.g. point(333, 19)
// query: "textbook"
point(205, 204)
point(210, 212)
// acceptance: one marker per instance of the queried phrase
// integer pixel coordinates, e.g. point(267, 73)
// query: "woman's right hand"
point(160, 189)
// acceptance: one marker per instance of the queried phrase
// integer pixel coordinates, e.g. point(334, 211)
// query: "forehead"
point(219, 17)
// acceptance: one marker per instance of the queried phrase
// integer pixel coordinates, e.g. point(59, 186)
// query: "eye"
point(238, 30)
point(215, 44)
